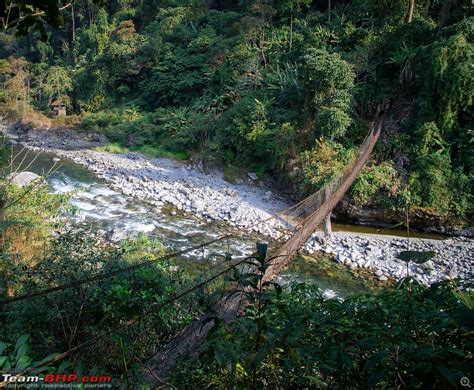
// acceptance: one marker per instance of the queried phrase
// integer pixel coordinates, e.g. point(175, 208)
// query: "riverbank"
point(246, 205)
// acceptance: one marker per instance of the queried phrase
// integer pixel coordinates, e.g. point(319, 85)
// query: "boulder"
point(116, 234)
point(268, 195)
point(427, 266)
point(23, 179)
point(252, 176)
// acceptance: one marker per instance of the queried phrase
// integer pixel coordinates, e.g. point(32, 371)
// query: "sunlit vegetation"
point(266, 85)
point(286, 89)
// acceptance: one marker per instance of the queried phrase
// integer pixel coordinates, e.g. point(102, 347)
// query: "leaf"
point(3, 346)
point(2, 361)
point(64, 365)
point(240, 369)
point(418, 257)
point(20, 345)
point(448, 375)
point(320, 384)
point(22, 363)
point(262, 249)
point(219, 355)
point(49, 357)
point(261, 355)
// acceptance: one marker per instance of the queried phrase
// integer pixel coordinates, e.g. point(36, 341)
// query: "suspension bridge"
point(313, 209)
point(309, 214)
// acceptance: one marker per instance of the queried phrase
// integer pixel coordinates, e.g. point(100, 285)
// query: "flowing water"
point(103, 208)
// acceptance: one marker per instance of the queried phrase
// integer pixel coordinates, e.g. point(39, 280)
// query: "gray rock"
point(231, 192)
point(23, 179)
point(116, 234)
point(252, 176)
point(427, 265)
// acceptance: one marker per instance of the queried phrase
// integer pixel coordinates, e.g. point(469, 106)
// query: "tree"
point(292, 7)
point(58, 84)
point(328, 80)
point(121, 56)
point(23, 15)
point(411, 9)
point(15, 77)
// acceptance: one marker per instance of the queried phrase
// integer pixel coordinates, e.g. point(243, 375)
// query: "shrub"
point(322, 163)
point(378, 182)
point(112, 148)
point(405, 337)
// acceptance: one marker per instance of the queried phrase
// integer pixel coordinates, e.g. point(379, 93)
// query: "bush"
point(112, 148)
point(35, 120)
point(322, 163)
point(405, 337)
point(29, 216)
point(69, 121)
point(101, 306)
point(379, 183)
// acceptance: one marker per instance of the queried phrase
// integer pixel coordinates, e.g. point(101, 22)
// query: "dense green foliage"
point(404, 337)
point(285, 88)
point(268, 85)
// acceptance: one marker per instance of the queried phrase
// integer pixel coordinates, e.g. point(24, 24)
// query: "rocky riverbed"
point(453, 257)
point(247, 204)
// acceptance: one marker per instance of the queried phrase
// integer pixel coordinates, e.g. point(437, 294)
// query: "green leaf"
point(262, 249)
point(261, 355)
point(21, 352)
point(21, 346)
point(219, 355)
point(49, 357)
point(320, 384)
point(417, 257)
point(448, 375)
point(2, 361)
point(64, 365)
point(3, 347)
point(240, 369)
point(22, 363)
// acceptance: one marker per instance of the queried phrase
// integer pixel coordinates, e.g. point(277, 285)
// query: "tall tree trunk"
point(73, 23)
point(329, 10)
point(410, 11)
point(291, 31)
point(445, 11)
point(262, 48)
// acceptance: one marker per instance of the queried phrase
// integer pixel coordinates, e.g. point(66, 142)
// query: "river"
point(100, 207)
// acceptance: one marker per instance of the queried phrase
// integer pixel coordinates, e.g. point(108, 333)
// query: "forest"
point(286, 89)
